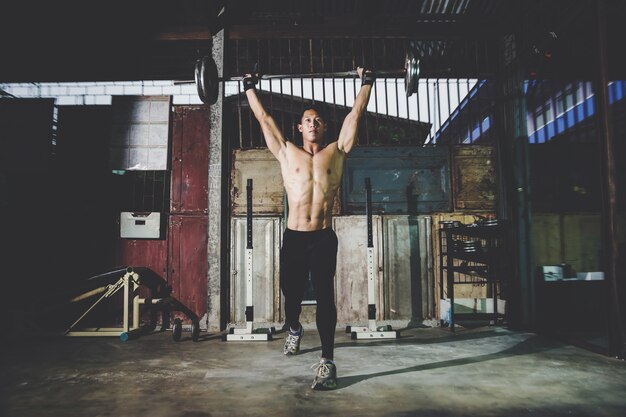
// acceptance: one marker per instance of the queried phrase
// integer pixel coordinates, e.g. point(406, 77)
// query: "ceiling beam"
point(183, 33)
point(396, 29)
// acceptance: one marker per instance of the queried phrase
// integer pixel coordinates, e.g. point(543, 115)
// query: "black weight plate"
point(412, 73)
point(210, 80)
point(206, 79)
point(199, 81)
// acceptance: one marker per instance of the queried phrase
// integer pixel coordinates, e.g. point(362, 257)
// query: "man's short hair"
point(317, 109)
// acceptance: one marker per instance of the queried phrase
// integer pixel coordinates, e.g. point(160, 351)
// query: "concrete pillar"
point(217, 249)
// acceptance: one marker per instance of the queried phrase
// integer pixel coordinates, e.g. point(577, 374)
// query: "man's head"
point(312, 126)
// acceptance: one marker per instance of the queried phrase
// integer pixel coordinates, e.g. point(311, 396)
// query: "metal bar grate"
point(422, 119)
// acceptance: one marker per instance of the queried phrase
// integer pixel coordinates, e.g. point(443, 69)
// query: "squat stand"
point(249, 333)
point(371, 331)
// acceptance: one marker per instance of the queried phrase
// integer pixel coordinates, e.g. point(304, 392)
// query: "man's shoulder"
point(334, 148)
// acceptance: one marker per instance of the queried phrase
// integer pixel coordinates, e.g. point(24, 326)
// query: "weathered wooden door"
point(187, 230)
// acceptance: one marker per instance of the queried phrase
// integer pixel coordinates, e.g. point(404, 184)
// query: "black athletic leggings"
point(314, 252)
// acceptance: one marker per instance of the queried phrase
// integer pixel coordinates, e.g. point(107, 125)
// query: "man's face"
point(312, 127)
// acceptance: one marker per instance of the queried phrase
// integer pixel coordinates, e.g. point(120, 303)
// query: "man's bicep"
point(274, 138)
point(348, 134)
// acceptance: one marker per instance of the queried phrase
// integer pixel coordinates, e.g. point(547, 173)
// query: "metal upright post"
point(249, 333)
point(371, 331)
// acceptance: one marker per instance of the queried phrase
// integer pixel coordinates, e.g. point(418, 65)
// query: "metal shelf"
point(473, 254)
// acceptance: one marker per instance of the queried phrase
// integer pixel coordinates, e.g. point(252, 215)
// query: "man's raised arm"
point(349, 129)
point(274, 138)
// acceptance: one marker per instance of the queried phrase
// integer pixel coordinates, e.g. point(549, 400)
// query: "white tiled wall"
point(99, 93)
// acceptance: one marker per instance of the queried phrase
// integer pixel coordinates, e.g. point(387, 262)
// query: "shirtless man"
point(311, 177)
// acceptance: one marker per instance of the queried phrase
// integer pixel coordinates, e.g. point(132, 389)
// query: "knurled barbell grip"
point(344, 74)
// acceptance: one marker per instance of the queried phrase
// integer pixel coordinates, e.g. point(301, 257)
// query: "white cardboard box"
point(590, 276)
point(140, 225)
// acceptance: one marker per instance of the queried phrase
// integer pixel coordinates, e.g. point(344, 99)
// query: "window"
point(568, 99)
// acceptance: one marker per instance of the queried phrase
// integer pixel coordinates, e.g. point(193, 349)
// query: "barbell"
point(207, 81)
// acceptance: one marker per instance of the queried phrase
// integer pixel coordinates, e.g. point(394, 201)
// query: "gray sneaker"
point(326, 375)
point(292, 343)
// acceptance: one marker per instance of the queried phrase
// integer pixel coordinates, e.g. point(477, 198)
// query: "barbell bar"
point(207, 80)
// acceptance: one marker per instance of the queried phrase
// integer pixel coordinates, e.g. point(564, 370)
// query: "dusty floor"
point(486, 371)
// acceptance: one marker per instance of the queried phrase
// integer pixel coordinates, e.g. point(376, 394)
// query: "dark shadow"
point(529, 346)
point(202, 338)
point(409, 340)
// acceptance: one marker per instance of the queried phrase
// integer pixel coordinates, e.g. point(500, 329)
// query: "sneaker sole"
point(321, 387)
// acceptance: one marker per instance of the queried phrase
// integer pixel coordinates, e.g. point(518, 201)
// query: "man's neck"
point(312, 147)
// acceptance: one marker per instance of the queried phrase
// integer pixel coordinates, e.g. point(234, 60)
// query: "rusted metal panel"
point(351, 276)
point(149, 253)
point(190, 160)
point(408, 268)
point(404, 180)
point(266, 242)
point(261, 166)
point(187, 262)
point(473, 177)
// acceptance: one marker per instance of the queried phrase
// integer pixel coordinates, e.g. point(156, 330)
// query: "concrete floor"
point(484, 371)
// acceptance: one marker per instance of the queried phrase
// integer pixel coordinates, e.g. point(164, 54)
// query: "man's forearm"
point(361, 100)
point(255, 104)
point(273, 136)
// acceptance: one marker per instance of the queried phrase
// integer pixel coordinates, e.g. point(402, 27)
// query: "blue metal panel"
point(404, 180)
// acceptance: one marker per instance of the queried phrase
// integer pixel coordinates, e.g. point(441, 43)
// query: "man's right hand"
point(367, 76)
point(249, 81)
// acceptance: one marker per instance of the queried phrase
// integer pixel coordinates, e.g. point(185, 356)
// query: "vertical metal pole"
point(371, 287)
point(430, 133)
point(459, 132)
point(135, 280)
point(251, 126)
point(450, 274)
point(249, 299)
point(513, 183)
point(293, 125)
point(126, 301)
point(617, 347)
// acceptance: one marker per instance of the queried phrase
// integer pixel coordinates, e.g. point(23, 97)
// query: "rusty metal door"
point(190, 160)
point(188, 234)
point(187, 262)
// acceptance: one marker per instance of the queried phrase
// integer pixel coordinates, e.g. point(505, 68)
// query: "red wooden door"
point(190, 160)
point(188, 268)
point(187, 230)
point(148, 253)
